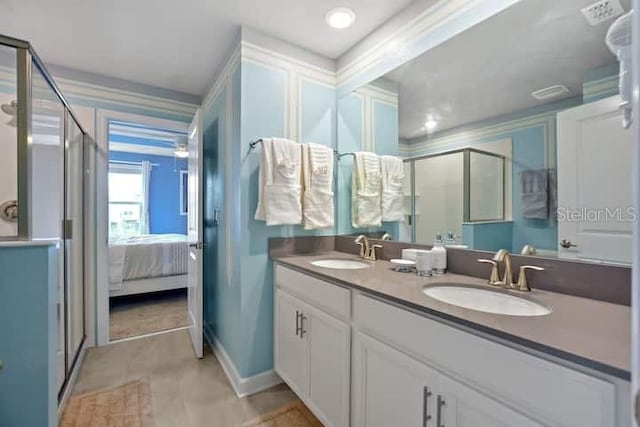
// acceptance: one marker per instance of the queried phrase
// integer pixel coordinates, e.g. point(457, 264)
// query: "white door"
point(194, 235)
point(291, 349)
point(389, 388)
point(595, 215)
point(635, 327)
point(329, 366)
point(460, 406)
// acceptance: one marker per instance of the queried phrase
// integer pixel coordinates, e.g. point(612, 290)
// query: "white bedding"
point(147, 256)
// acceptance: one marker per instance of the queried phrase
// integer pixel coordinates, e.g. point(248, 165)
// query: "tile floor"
point(138, 315)
point(185, 391)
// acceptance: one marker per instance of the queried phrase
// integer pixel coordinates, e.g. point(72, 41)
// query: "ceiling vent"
point(550, 92)
point(602, 11)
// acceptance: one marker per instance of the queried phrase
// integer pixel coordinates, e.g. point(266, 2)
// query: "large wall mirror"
point(511, 136)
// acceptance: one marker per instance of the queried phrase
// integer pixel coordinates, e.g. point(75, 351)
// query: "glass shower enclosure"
point(451, 188)
point(42, 179)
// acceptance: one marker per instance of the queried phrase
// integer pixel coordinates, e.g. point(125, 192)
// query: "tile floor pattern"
point(140, 315)
point(185, 391)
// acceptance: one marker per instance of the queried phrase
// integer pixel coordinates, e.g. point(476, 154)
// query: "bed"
point(147, 263)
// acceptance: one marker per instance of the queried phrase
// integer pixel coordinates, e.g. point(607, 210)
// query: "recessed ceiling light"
point(340, 17)
point(430, 124)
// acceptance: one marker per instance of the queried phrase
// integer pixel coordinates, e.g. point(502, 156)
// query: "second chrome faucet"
point(504, 257)
point(367, 251)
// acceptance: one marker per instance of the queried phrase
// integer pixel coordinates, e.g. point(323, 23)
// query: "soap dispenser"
point(439, 256)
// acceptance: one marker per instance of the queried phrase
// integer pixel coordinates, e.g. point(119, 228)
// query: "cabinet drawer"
point(331, 298)
point(550, 393)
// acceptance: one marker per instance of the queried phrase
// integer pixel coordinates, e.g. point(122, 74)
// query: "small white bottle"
point(439, 256)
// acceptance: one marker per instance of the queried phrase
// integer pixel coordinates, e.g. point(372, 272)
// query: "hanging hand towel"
point(535, 194)
point(279, 194)
point(392, 170)
point(366, 210)
point(317, 174)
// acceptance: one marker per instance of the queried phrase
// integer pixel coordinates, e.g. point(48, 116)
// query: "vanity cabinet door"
point(329, 342)
point(457, 405)
point(390, 388)
point(291, 350)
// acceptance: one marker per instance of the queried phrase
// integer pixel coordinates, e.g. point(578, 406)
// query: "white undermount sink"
point(486, 300)
point(340, 264)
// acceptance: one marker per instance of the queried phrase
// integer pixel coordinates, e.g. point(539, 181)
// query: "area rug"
point(295, 414)
point(128, 405)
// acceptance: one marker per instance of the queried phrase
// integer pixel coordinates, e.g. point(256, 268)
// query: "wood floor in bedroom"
point(183, 390)
point(137, 315)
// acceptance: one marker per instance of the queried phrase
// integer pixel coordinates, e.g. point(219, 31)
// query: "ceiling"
point(491, 69)
point(177, 45)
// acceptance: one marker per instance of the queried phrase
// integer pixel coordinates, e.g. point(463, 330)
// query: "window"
point(126, 201)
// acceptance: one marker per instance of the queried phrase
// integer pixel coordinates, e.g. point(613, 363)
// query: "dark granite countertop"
point(588, 332)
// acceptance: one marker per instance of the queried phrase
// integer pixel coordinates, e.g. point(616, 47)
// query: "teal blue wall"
point(265, 111)
point(350, 139)
point(28, 336)
point(488, 236)
point(221, 295)
point(352, 124)
point(255, 102)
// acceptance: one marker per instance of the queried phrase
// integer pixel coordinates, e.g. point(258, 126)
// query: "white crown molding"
point(92, 92)
point(123, 147)
point(261, 55)
point(221, 81)
point(379, 94)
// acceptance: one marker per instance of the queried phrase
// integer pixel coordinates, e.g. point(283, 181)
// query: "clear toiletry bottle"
point(439, 256)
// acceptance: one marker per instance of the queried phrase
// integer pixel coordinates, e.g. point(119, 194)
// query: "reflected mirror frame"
point(466, 209)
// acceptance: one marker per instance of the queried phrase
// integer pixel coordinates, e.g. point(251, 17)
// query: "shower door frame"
point(466, 183)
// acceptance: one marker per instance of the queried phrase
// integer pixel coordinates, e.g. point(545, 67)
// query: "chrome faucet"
point(367, 251)
point(372, 252)
point(505, 257)
point(363, 242)
point(523, 285)
point(386, 236)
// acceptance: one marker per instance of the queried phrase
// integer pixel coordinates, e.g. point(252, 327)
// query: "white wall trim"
point(243, 386)
point(262, 55)
point(222, 79)
point(103, 118)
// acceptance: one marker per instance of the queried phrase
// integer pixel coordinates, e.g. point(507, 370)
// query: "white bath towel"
point(392, 170)
point(366, 210)
point(317, 178)
point(279, 192)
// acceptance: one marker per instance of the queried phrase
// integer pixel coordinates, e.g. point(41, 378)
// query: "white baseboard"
point(242, 386)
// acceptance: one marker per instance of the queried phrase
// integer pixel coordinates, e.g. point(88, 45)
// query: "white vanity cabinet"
point(390, 388)
point(358, 360)
point(313, 345)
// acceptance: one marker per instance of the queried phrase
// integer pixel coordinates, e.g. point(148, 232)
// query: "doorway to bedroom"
point(147, 230)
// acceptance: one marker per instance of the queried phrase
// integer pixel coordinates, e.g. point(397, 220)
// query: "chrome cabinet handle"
point(425, 406)
point(298, 328)
point(302, 330)
point(441, 403)
point(567, 244)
